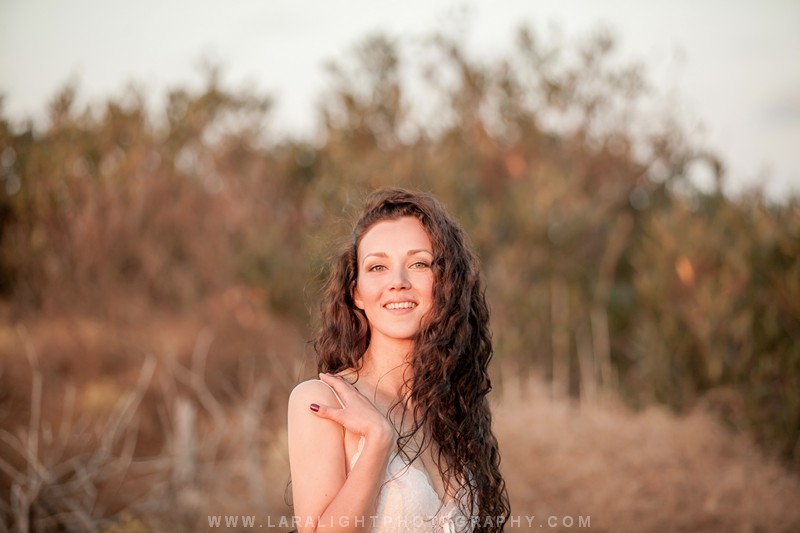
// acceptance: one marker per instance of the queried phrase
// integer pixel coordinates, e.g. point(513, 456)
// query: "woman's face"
point(395, 280)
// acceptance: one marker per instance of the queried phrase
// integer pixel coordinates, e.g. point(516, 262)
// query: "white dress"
point(407, 501)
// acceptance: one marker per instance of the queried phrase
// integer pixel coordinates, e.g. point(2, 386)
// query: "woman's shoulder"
point(313, 391)
point(311, 387)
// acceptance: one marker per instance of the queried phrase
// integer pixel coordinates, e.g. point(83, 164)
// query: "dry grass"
point(97, 436)
point(637, 471)
point(159, 443)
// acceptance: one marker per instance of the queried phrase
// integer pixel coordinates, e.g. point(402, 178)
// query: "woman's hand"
point(358, 415)
point(324, 487)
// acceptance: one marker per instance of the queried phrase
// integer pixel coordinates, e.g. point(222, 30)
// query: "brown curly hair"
point(449, 379)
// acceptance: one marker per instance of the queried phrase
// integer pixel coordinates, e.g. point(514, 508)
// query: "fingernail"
point(314, 407)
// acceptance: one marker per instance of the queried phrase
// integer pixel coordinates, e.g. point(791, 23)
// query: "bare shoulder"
point(307, 430)
point(312, 391)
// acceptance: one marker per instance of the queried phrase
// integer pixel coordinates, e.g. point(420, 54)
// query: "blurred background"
point(174, 179)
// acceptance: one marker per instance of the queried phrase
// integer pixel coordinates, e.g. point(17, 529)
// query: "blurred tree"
point(606, 268)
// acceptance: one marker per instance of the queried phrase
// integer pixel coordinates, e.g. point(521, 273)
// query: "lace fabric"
point(408, 502)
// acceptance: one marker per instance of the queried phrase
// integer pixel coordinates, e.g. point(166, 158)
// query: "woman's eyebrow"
point(373, 254)
point(379, 254)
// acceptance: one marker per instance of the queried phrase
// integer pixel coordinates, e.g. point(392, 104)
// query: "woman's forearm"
point(353, 507)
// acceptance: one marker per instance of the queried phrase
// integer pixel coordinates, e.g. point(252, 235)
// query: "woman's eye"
point(376, 268)
point(420, 264)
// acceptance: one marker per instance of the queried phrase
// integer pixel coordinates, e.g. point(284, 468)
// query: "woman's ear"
point(356, 296)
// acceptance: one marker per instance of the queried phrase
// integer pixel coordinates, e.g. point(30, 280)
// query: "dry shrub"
point(83, 474)
point(635, 471)
point(95, 433)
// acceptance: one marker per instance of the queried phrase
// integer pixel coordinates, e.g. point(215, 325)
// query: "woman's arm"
point(322, 491)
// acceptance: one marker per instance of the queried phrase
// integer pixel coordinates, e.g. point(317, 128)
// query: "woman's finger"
point(323, 411)
point(358, 415)
point(340, 385)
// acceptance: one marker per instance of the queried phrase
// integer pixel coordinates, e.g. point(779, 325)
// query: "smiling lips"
point(400, 305)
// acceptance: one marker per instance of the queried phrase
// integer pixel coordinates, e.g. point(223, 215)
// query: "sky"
point(732, 67)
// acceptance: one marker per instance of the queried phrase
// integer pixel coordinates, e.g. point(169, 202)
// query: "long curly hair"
point(448, 382)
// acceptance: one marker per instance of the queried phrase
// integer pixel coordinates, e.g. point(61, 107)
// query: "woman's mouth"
point(400, 305)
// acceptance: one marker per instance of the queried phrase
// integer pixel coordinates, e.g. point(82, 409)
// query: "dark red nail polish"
point(314, 407)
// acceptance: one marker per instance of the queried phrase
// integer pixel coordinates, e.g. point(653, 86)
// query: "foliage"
point(606, 269)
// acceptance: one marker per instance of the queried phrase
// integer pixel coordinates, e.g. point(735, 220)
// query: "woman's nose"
point(400, 279)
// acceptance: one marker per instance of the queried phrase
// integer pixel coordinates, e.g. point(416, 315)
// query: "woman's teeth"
point(401, 305)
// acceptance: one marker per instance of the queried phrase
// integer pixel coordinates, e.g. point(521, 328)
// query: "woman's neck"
point(386, 367)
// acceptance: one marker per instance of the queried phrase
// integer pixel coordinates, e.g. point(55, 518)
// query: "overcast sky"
point(732, 65)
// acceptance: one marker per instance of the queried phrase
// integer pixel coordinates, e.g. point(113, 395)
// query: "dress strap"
point(356, 455)
point(333, 391)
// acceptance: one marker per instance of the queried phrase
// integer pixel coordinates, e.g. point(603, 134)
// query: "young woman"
point(396, 434)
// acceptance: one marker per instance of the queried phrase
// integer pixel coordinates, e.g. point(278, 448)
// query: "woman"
point(396, 434)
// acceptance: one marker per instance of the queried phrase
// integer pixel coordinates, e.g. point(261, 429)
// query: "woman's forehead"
point(392, 235)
